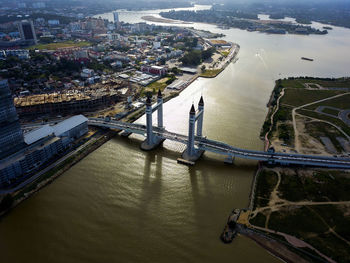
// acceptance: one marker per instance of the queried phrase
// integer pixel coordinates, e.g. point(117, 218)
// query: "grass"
point(225, 53)
point(331, 111)
point(298, 83)
point(316, 221)
point(321, 186)
point(337, 83)
point(310, 223)
point(298, 97)
point(259, 220)
point(66, 44)
point(210, 73)
point(266, 181)
point(155, 86)
point(313, 228)
point(339, 103)
point(318, 129)
point(285, 221)
point(295, 83)
point(330, 119)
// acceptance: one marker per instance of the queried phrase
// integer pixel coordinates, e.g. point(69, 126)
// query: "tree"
point(203, 68)
point(208, 53)
point(192, 58)
point(175, 70)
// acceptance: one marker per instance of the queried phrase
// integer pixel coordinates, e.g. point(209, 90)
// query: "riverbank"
point(231, 56)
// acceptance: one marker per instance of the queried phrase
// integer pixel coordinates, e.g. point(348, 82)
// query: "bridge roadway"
point(228, 150)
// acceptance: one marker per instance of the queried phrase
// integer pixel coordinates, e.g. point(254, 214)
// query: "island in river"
point(163, 20)
point(227, 19)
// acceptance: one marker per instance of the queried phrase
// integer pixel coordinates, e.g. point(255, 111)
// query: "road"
point(228, 150)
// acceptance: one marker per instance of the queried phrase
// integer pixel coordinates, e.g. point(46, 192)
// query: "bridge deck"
point(225, 149)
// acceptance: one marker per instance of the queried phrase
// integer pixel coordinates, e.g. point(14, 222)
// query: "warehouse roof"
point(69, 124)
point(38, 134)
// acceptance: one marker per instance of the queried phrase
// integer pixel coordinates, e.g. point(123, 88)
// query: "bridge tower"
point(160, 109)
point(191, 153)
point(153, 141)
point(200, 117)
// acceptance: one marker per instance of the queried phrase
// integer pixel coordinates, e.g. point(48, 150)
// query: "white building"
point(53, 22)
point(156, 45)
point(87, 73)
point(73, 128)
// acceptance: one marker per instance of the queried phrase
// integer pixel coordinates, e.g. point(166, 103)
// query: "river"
point(123, 205)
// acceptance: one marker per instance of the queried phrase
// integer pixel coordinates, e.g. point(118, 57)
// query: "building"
point(53, 22)
point(116, 17)
point(27, 32)
point(155, 70)
point(41, 146)
point(11, 136)
point(72, 128)
point(20, 53)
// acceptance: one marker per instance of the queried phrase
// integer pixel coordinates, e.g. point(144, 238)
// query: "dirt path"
point(267, 142)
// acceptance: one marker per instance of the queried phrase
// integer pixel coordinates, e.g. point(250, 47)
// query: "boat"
point(308, 59)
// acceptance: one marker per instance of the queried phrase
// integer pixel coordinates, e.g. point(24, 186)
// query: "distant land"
point(245, 21)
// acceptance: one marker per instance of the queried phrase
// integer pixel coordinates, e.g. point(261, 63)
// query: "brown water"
point(123, 205)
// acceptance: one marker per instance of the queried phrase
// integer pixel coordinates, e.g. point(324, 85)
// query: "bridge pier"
point(152, 141)
point(229, 159)
point(191, 153)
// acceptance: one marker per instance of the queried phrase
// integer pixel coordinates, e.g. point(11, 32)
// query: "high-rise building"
point(116, 17)
point(11, 136)
point(27, 32)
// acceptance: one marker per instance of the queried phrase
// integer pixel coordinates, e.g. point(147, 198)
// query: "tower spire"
point(149, 99)
point(193, 110)
point(201, 102)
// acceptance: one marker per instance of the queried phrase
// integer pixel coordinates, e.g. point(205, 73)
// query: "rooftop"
point(38, 134)
point(68, 124)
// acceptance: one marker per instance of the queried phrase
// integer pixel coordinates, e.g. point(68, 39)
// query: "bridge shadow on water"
point(208, 178)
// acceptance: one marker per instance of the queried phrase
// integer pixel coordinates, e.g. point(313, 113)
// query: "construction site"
point(76, 100)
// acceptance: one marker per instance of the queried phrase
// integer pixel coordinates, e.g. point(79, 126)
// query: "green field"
point(331, 111)
point(66, 44)
point(155, 86)
point(210, 73)
point(342, 102)
point(298, 97)
point(298, 83)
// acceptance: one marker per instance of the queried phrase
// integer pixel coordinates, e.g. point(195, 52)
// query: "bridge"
point(197, 144)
